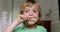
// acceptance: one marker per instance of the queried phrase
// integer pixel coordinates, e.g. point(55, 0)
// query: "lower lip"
point(30, 20)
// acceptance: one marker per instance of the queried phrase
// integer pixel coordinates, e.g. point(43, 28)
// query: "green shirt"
point(23, 29)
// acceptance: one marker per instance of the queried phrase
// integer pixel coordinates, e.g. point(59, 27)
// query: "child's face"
point(31, 12)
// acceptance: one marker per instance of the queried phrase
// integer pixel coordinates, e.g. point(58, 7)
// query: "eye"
point(26, 11)
point(34, 11)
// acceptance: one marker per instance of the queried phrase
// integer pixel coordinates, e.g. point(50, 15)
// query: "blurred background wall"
point(10, 8)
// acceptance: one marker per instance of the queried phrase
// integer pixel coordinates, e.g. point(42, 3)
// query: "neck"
point(30, 26)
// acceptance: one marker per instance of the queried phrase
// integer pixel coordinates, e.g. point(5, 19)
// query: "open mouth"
point(32, 20)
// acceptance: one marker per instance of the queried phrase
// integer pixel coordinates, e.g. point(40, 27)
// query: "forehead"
point(31, 7)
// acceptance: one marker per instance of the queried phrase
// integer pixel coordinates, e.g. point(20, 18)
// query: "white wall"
point(5, 14)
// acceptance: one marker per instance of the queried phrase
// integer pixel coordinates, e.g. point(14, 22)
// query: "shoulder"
point(42, 28)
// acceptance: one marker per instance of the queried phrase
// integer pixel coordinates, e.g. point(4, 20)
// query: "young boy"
point(29, 15)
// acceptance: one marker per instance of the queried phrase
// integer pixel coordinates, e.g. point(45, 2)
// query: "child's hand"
point(22, 17)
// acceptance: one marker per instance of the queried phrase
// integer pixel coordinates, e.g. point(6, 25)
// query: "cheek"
point(36, 16)
point(26, 15)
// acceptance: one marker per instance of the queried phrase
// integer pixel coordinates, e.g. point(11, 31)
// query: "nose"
point(31, 14)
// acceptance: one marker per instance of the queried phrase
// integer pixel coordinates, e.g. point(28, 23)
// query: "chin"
point(31, 23)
